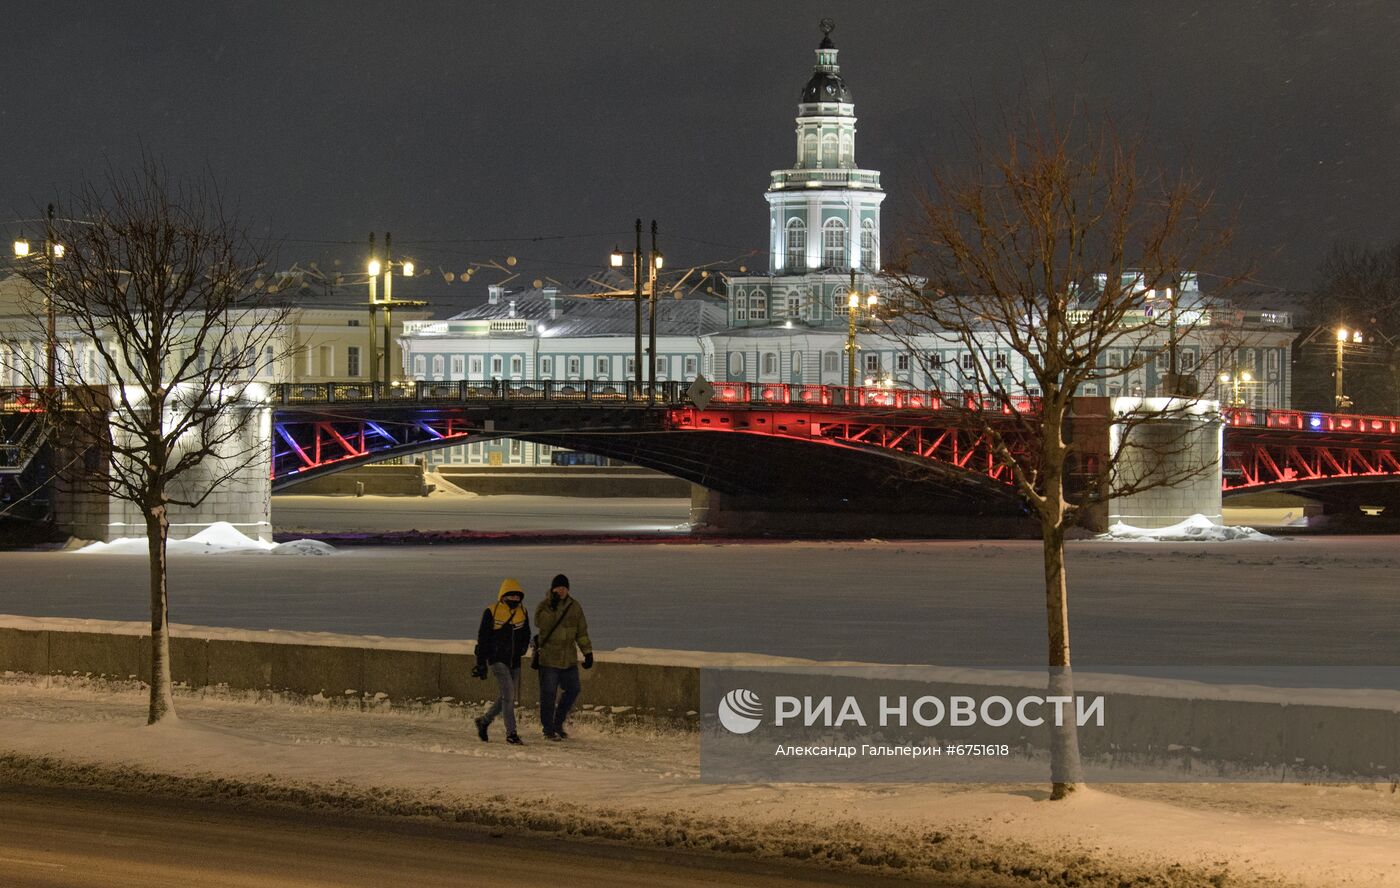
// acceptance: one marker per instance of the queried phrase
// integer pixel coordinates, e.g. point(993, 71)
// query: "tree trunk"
point(162, 693)
point(1066, 771)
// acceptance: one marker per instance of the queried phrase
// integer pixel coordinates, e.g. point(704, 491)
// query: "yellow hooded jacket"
point(504, 634)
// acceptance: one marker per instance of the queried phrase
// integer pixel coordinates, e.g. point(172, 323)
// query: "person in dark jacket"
point(502, 639)
point(563, 630)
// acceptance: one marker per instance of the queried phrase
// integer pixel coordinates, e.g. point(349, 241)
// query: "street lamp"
point(374, 267)
point(1343, 337)
point(1239, 380)
point(853, 310)
point(654, 261)
point(53, 251)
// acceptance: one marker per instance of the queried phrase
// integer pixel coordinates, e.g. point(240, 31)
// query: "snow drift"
point(1197, 528)
point(219, 538)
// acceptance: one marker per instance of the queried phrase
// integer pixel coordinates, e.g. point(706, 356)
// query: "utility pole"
point(852, 306)
point(651, 337)
point(637, 329)
point(388, 311)
point(52, 356)
point(373, 313)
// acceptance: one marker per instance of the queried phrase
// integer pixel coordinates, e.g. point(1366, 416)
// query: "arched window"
point(736, 365)
point(809, 150)
point(797, 245)
point(833, 243)
point(741, 305)
point(869, 246)
point(829, 156)
point(797, 364)
point(770, 363)
point(758, 305)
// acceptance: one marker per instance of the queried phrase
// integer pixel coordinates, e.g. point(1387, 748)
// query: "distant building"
point(791, 325)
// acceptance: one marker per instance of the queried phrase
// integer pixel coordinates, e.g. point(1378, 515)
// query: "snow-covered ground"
point(219, 538)
point(1197, 528)
point(641, 785)
point(1313, 600)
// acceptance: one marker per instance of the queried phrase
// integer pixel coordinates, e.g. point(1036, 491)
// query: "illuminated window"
point(833, 243)
point(796, 244)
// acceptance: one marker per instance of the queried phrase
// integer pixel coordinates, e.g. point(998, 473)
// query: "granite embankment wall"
point(1348, 732)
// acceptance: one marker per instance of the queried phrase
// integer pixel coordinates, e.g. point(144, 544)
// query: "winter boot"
point(514, 740)
point(481, 726)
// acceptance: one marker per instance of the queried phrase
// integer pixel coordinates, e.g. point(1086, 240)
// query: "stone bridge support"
point(243, 500)
point(1159, 459)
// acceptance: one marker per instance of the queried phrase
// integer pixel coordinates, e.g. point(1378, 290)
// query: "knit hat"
point(559, 580)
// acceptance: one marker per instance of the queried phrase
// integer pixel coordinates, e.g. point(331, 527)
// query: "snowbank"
point(1197, 528)
point(219, 538)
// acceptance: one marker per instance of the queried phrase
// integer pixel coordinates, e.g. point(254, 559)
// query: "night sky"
point(450, 123)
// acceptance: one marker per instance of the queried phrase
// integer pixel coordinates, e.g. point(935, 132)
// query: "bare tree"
point(146, 340)
point(1047, 252)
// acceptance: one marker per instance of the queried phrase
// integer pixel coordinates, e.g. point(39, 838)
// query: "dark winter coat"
point(504, 634)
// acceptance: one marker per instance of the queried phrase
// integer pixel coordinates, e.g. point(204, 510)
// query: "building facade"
point(792, 324)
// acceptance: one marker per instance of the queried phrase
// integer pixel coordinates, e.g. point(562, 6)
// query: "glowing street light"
point(21, 248)
point(1343, 337)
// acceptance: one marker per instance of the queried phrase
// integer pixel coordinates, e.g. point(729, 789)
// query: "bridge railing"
point(668, 394)
point(461, 391)
point(1306, 421)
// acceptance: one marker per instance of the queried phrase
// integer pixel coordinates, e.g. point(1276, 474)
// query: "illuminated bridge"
point(864, 450)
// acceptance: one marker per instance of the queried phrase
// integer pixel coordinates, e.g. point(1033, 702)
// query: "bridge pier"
point(1165, 456)
point(243, 500)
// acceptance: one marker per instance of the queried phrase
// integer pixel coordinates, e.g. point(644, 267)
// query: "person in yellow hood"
point(501, 640)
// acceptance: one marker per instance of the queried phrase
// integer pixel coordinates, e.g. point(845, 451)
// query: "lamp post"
point(1343, 336)
point(52, 251)
point(654, 262)
point(854, 302)
point(1238, 380)
point(374, 266)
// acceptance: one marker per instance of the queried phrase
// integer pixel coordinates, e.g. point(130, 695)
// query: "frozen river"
point(1317, 600)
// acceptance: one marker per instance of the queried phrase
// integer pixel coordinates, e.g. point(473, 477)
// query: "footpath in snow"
point(641, 785)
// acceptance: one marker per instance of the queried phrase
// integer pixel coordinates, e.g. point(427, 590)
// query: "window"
point(935, 361)
point(809, 150)
point(420, 367)
point(846, 158)
point(1000, 361)
point(546, 367)
point(797, 363)
point(517, 365)
point(575, 367)
point(833, 243)
point(691, 366)
point(601, 366)
point(770, 363)
point(437, 366)
point(829, 156)
point(459, 366)
point(741, 306)
point(794, 306)
point(268, 361)
point(352, 322)
point(1163, 360)
point(831, 362)
point(869, 249)
point(736, 365)
point(1115, 359)
point(901, 362)
point(352, 361)
point(631, 364)
point(758, 306)
point(796, 244)
point(476, 367)
point(967, 360)
point(514, 446)
point(1188, 361)
point(496, 365)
